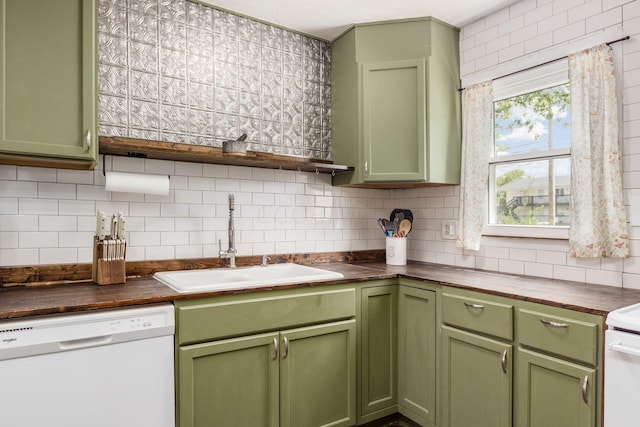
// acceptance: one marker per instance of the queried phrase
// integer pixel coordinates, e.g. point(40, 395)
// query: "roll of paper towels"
point(129, 182)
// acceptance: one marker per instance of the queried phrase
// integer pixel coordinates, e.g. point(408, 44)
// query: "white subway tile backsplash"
point(74, 176)
point(38, 207)
point(155, 224)
point(18, 257)
point(174, 238)
point(89, 192)
point(563, 272)
point(159, 252)
point(19, 223)
point(57, 223)
point(511, 267)
point(18, 189)
point(8, 172)
point(144, 238)
point(58, 256)
point(188, 169)
point(37, 174)
point(8, 205)
point(8, 240)
point(37, 239)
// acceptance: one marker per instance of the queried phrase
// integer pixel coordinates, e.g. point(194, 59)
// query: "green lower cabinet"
point(379, 347)
point(554, 392)
point(417, 354)
point(476, 380)
point(230, 382)
point(318, 376)
point(301, 377)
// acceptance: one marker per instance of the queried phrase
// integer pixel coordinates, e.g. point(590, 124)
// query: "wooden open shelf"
point(149, 149)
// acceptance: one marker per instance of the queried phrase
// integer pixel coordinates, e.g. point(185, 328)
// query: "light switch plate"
point(449, 230)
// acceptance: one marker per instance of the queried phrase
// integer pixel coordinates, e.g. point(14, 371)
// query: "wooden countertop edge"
point(82, 296)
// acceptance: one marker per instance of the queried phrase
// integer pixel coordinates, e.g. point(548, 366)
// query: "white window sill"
point(529, 231)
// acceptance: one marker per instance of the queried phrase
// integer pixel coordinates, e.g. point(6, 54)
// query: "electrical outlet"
point(449, 230)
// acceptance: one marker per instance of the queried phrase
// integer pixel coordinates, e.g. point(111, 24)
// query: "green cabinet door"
point(318, 376)
point(379, 347)
point(394, 107)
point(476, 380)
point(48, 79)
point(554, 392)
point(229, 383)
point(417, 354)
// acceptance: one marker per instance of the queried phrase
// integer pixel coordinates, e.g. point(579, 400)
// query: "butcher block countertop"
point(20, 301)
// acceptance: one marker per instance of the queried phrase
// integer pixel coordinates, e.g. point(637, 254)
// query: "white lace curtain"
point(598, 222)
point(477, 125)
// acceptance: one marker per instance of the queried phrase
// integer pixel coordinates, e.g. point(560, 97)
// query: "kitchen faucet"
point(231, 251)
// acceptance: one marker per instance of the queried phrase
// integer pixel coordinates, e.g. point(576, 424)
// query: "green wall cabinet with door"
point(48, 82)
point(275, 359)
point(396, 105)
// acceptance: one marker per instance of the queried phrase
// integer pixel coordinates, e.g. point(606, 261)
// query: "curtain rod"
point(550, 62)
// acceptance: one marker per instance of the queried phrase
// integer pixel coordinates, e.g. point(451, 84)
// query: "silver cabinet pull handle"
point(366, 168)
point(87, 140)
point(286, 348)
point(275, 348)
point(553, 324)
point(585, 384)
point(469, 305)
point(503, 361)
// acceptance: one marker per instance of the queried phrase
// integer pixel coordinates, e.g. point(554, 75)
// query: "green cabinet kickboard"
point(48, 79)
point(395, 103)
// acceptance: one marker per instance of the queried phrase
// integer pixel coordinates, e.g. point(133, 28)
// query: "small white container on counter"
point(396, 250)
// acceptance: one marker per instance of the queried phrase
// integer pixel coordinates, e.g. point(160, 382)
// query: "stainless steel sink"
point(223, 279)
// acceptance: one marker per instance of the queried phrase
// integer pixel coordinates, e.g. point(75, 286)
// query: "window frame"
point(538, 78)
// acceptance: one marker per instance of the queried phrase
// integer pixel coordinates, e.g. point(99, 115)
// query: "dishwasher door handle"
point(85, 342)
point(618, 346)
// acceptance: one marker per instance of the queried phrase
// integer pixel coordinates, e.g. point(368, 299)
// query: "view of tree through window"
point(532, 135)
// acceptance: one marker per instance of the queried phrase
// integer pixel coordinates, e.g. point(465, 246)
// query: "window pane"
point(523, 188)
point(536, 121)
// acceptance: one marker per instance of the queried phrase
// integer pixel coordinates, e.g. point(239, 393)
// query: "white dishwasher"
point(622, 367)
point(111, 368)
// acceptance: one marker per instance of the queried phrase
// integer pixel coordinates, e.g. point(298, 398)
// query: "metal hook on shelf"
point(333, 173)
point(317, 171)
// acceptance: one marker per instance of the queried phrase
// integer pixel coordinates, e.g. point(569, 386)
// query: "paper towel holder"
point(129, 154)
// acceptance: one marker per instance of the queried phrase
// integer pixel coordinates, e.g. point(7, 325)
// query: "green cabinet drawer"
point(478, 315)
point(560, 335)
point(215, 318)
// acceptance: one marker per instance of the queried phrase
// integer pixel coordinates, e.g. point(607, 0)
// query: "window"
point(530, 166)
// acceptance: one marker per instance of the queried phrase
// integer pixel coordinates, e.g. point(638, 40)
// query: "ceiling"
point(327, 19)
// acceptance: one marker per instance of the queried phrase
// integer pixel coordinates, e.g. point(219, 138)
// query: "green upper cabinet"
point(48, 69)
point(396, 105)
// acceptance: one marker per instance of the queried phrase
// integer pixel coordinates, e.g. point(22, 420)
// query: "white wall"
point(528, 33)
point(47, 216)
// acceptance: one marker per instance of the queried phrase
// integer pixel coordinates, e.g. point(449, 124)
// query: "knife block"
point(104, 271)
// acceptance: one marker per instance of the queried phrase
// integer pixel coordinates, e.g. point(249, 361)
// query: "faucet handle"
point(265, 258)
point(220, 244)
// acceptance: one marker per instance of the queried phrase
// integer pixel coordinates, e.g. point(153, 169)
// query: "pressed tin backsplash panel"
point(178, 71)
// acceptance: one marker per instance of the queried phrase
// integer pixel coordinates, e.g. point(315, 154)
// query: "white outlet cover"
point(449, 230)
